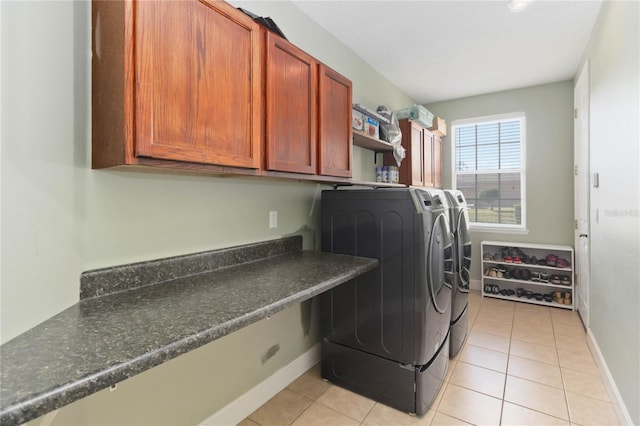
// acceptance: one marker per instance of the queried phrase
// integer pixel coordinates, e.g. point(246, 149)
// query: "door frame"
point(582, 201)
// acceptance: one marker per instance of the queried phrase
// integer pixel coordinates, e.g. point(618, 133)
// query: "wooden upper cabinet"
point(411, 171)
point(422, 165)
point(176, 80)
point(291, 99)
point(198, 85)
point(335, 133)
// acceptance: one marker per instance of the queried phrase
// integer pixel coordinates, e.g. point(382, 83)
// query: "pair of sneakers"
point(495, 272)
point(540, 277)
point(560, 279)
point(513, 259)
point(556, 262)
point(491, 289)
point(521, 274)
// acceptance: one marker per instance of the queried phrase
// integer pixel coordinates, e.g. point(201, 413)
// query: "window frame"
point(497, 227)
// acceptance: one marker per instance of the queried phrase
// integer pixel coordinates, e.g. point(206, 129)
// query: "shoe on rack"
point(562, 263)
point(517, 252)
point(555, 279)
point(508, 259)
point(526, 274)
point(565, 280)
point(517, 274)
point(552, 260)
point(517, 260)
point(520, 292)
point(544, 278)
point(535, 276)
point(533, 260)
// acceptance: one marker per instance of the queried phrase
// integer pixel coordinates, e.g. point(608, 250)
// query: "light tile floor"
point(521, 364)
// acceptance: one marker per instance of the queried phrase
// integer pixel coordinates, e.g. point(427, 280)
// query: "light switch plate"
point(273, 219)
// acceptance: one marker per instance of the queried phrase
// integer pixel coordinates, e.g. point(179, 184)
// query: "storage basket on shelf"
point(416, 113)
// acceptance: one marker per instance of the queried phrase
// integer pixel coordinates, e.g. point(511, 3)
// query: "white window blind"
point(489, 169)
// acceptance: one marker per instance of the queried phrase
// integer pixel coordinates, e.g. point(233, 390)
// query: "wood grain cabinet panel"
point(427, 158)
point(291, 108)
point(175, 80)
point(437, 161)
point(334, 123)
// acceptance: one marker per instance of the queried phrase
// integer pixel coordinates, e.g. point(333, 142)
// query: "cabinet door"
point(335, 148)
point(427, 158)
point(416, 156)
point(411, 171)
point(197, 83)
point(437, 161)
point(291, 108)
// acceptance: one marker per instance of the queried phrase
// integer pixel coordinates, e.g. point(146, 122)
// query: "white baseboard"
point(475, 285)
point(614, 395)
point(239, 409)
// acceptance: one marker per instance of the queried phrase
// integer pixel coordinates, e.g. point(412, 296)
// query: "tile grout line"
point(506, 373)
point(564, 387)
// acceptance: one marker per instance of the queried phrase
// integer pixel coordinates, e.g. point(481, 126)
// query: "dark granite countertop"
point(119, 329)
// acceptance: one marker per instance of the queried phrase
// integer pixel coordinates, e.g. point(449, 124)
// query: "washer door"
point(464, 251)
point(440, 265)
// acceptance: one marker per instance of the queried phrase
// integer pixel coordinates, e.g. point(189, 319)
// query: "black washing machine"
point(385, 334)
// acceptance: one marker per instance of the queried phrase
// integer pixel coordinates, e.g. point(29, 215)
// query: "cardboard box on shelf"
point(372, 127)
point(439, 126)
point(357, 120)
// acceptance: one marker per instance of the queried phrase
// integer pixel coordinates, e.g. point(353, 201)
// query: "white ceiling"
point(442, 50)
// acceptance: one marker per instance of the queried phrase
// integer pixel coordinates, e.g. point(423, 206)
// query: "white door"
point(581, 191)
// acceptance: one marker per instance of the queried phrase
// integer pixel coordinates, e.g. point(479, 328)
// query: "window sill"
point(499, 229)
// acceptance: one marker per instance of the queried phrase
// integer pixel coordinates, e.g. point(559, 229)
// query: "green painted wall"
point(60, 218)
point(614, 61)
point(549, 158)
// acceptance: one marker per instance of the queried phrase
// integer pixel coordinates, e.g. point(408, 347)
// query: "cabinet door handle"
point(583, 235)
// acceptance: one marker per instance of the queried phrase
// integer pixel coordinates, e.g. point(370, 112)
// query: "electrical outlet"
point(273, 219)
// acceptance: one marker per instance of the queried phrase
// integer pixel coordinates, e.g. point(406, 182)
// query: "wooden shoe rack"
point(508, 268)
